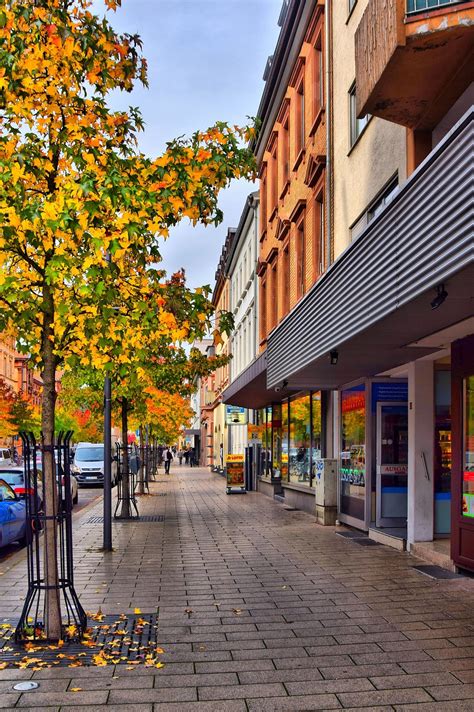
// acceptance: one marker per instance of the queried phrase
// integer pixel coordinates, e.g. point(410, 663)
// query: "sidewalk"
point(259, 610)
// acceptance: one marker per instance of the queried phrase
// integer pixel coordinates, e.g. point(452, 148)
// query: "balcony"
point(413, 59)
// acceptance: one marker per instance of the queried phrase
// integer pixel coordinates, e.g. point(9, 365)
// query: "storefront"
point(373, 454)
point(462, 511)
point(292, 437)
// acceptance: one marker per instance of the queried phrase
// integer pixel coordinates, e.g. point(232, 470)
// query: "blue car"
point(12, 516)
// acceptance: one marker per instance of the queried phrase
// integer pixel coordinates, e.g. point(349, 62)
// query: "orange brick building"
point(291, 153)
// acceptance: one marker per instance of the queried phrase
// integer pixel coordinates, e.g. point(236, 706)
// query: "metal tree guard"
point(74, 619)
point(132, 479)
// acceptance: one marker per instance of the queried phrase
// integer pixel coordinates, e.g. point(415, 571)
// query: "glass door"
point(392, 465)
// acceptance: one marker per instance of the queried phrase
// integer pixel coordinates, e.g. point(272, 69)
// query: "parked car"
point(15, 477)
point(12, 516)
point(88, 464)
point(5, 457)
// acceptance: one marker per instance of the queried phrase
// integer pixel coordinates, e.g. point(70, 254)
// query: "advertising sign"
point(235, 415)
point(235, 472)
point(255, 433)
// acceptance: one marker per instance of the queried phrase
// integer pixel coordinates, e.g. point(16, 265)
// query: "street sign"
point(235, 415)
point(235, 472)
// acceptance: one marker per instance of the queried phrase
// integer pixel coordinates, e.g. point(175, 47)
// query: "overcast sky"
point(206, 60)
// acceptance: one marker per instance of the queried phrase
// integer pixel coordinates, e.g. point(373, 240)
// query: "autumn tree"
point(82, 209)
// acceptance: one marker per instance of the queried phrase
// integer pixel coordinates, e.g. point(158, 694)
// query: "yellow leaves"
point(75, 689)
point(137, 611)
point(17, 172)
point(99, 659)
point(113, 4)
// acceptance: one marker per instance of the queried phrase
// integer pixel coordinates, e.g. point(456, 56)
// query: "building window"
point(263, 202)
point(318, 237)
point(263, 310)
point(375, 207)
point(352, 4)
point(318, 76)
point(274, 296)
point(383, 199)
point(285, 154)
point(274, 181)
point(285, 280)
point(357, 126)
point(300, 122)
point(300, 259)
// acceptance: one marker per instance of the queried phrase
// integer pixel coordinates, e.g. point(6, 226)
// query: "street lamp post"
point(107, 465)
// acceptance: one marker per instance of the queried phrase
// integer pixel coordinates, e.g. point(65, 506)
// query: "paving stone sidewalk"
point(260, 610)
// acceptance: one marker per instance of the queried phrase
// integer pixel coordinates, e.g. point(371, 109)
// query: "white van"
point(88, 464)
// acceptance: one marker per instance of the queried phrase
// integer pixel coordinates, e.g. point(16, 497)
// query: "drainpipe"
point(328, 72)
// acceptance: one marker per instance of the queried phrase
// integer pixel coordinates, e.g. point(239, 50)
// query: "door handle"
point(425, 465)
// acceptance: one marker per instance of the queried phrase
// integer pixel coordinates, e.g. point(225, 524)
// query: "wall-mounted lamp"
point(282, 387)
point(333, 357)
point(441, 295)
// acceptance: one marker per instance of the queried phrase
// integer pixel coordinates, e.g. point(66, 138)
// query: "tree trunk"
point(141, 472)
point(52, 613)
point(125, 511)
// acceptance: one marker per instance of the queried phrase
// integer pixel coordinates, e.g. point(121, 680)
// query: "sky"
point(206, 60)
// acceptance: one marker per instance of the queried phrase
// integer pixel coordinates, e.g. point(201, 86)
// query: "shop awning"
point(375, 300)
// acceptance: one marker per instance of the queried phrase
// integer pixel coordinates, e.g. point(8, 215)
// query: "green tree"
point(82, 209)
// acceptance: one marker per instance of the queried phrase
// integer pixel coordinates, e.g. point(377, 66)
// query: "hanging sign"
point(235, 415)
point(235, 472)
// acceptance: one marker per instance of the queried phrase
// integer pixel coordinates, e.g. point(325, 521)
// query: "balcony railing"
point(422, 5)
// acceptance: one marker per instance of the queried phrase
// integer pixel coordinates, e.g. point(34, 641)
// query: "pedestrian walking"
point(180, 457)
point(168, 456)
point(186, 457)
point(192, 457)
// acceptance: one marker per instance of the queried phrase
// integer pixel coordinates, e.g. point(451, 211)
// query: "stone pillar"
point(420, 451)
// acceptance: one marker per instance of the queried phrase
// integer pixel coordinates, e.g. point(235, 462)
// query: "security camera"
point(277, 389)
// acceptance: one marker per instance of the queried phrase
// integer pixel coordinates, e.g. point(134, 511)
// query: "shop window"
point(299, 450)
point(357, 125)
point(468, 448)
point(300, 259)
point(316, 432)
point(352, 469)
point(277, 441)
point(442, 453)
point(284, 442)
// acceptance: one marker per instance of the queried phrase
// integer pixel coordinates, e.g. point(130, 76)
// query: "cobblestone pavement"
point(260, 609)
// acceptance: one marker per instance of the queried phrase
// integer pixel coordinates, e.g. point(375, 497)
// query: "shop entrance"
point(391, 464)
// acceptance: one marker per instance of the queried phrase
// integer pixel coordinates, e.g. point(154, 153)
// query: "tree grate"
point(137, 520)
point(112, 640)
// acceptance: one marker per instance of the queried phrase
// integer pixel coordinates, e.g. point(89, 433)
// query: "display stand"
point(235, 474)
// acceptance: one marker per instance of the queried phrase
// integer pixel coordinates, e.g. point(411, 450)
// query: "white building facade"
point(241, 271)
